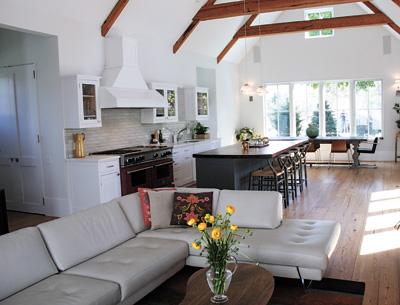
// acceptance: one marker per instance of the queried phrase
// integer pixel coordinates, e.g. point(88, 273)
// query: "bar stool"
point(303, 161)
point(296, 161)
point(270, 178)
point(290, 173)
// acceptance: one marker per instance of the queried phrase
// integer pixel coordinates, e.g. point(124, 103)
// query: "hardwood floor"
point(17, 220)
point(369, 247)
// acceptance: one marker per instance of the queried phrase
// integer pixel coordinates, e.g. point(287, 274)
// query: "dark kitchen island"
point(229, 167)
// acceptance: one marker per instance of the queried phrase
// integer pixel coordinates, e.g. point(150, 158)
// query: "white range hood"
point(122, 84)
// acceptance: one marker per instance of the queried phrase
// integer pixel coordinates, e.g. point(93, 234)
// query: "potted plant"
point(200, 131)
point(245, 134)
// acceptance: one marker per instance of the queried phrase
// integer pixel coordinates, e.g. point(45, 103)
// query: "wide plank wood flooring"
point(369, 246)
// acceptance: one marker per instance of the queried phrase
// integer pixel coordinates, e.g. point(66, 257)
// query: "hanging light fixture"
point(261, 90)
point(246, 88)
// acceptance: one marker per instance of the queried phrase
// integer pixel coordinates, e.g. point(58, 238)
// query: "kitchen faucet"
point(179, 134)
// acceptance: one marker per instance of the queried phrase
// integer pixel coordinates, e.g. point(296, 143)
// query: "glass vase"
point(219, 278)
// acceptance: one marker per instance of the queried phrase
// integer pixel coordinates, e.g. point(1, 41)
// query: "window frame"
point(322, 127)
point(318, 10)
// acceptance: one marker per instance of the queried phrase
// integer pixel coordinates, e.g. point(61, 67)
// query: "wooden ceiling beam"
point(397, 2)
point(314, 25)
point(113, 16)
point(235, 38)
point(251, 7)
point(376, 10)
point(189, 29)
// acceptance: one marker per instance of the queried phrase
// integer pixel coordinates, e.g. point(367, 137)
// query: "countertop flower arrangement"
point(220, 241)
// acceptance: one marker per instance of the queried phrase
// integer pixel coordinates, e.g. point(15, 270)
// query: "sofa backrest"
point(130, 204)
point(254, 209)
point(81, 236)
point(132, 208)
point(24, 260)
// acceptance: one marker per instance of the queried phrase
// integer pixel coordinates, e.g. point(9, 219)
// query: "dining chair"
point(371, 150)
point(314, 148)
point(339, 146)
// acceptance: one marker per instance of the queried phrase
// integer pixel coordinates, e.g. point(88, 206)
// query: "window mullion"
point(292, 113)
point(353, 131)
point(321, 109)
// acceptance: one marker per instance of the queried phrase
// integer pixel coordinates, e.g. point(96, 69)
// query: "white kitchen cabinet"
point(167, 114)
point(197, 105)
point(184, 163)
point(93, 180)
point(81, 104)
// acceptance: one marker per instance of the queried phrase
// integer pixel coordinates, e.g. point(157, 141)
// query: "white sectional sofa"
point(105, 255)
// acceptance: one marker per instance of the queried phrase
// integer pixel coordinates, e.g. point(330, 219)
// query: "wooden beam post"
point(251, 7)
point(376, 10)
point(235, 38)
point(313, 25)
point(189, 29)
point(113, 16)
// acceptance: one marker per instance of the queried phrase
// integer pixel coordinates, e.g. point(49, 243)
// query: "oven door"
point(135, 176)
point(163, 173)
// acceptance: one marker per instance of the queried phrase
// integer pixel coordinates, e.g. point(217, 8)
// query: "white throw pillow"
point(254, 209)
point(161, 207)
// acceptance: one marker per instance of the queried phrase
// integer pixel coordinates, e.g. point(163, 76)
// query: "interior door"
point(10, 178)
point(28, 160)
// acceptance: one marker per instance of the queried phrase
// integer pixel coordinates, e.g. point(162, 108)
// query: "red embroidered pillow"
point(191, 205)
point(145, 203)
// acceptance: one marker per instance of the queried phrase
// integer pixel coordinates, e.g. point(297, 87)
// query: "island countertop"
point(235, 151)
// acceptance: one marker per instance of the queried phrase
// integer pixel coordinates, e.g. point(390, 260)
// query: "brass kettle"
point(79, 145)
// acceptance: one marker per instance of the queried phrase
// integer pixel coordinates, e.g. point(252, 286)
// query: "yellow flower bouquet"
point(220, 239)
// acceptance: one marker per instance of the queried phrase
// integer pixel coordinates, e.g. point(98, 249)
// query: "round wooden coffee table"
point(251, 285)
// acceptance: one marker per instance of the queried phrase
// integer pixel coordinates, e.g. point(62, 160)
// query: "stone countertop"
point(235, 151)
point(94, 158)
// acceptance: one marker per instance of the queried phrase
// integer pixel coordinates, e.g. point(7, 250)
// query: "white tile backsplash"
point(121, 128)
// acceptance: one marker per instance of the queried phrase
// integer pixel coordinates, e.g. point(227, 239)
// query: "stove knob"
point(141, 158)
point(155, 156)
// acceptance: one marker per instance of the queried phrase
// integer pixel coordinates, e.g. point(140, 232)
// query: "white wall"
point(76, 26)
point(351, 54)
point(20, 48)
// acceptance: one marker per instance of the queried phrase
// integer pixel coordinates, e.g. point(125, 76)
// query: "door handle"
point(139, 170)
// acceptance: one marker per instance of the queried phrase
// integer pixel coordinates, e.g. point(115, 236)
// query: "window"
point(337, 108)
point(277, 110)
point(306, 105)
point(368, 100)
point(320, 13)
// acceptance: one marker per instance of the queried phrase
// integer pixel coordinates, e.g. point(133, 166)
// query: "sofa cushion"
point(303, 243)
point(131, 206)
point(202, 190)
point(76, 238)
point(135, 263)
point(184, 234)
point(65, 289)
point(187, 206)
point(161, 206)
point(24, 260)
point(254, 209)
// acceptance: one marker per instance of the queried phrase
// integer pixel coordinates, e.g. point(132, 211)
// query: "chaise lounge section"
point(106, 255)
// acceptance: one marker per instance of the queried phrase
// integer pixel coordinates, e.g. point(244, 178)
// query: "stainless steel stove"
point(139, 154)
point(143, 166)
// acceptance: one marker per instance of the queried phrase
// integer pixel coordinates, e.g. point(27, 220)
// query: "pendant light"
point(246, 88)
point(261, 90)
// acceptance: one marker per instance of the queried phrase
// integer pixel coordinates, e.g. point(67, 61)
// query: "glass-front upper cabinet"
point(166, 114)
point(81, 104)
point(197, 104)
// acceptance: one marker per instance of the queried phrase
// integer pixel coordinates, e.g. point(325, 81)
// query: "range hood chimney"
point(122, 84)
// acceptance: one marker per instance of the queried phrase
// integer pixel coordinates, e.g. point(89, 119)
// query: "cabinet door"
point(172, 102)
point(160, 113)
point(110, 187)
point(90, 107)
point(202, 104)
